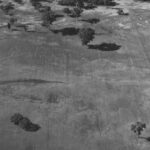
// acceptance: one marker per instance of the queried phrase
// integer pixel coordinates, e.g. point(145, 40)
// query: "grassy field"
point(83, 99)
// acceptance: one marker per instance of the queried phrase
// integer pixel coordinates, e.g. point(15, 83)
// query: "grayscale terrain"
point(82, 97)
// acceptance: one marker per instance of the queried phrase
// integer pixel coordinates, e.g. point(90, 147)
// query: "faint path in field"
point(34, 81)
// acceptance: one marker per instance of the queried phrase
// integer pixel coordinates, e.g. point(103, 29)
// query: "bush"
point(86, 35)
point(138, 128)
point(24, 123)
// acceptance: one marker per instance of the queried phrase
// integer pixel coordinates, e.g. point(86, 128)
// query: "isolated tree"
point(86, 35)
point(138, 128)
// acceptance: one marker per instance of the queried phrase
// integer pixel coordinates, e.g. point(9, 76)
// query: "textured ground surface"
point(83, 99)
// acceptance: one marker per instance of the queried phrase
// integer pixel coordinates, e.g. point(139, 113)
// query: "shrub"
point(138, 127)
point(86, 35)
point(24, 123)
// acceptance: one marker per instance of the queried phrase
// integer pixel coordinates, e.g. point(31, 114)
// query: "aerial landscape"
point(74, 74)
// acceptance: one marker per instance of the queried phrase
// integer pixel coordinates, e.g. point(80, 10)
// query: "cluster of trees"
point(75, 12)
point(48, 16)
point(81, 3)
point(7, 8)
point(138, 128)
point(19, 1)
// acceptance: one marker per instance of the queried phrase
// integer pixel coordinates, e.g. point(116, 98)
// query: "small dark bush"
point(24, 123)
point(105, 47)
point(67, 2)
point(86, 35)
point(19, 1)
point(67, 31)
point(138, 128)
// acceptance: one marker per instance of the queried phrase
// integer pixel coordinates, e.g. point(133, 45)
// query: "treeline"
point(82, 3)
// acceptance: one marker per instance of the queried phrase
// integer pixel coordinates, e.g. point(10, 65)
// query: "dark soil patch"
point(67, 31)
point(24, 123)
point(105, 47)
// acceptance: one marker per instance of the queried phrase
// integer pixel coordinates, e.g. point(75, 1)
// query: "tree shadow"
point(105, 47)
point(71, 31)
point(145, 138)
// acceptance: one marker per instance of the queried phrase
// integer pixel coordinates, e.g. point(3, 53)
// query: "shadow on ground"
point(67, 31)
point(105, 47)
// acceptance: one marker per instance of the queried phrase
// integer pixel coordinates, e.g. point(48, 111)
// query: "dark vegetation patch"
point(36, 2)
point(89, 6)
point(53, 97)
point(92, 20)
point(86, 35)
point(76, 12)
point(67, 10)
point(19, 1)
point(87, 3)
point(24, 123)
point(121, 12)
point(67, 31)
point(105, 47)
point(143, 0)
point(7, 8)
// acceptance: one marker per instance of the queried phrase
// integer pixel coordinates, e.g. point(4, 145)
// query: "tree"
point(67, 2)
point(48, 16)
point(86, 35)
point(67, 11)
point(76, 12)
point(19, 1)
point(138, 128)
point(8, 7)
